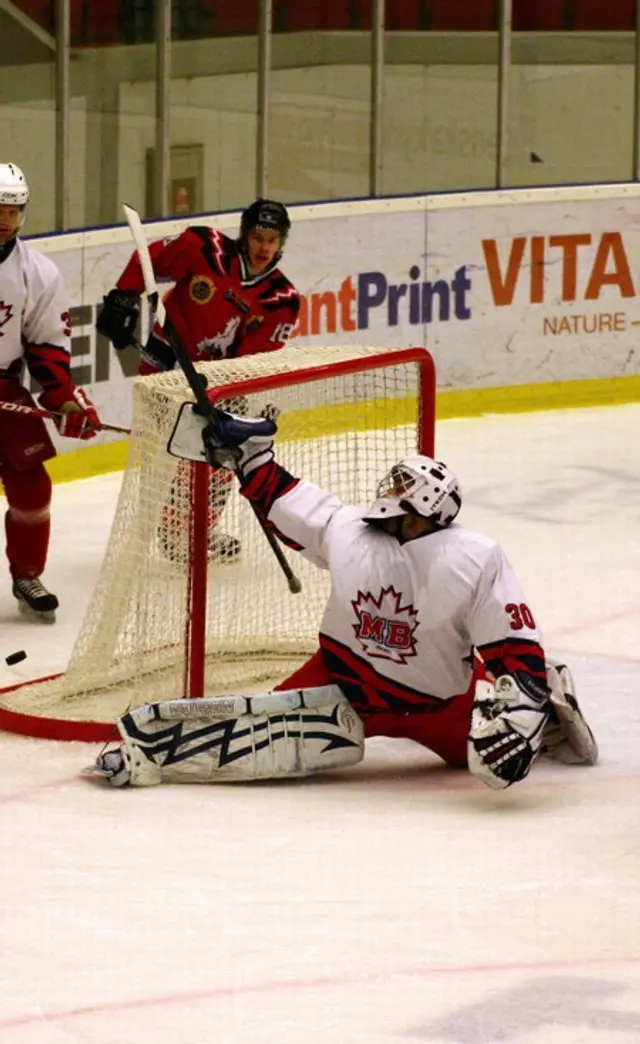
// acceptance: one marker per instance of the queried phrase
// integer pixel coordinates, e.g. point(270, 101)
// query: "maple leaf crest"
point(385, 628)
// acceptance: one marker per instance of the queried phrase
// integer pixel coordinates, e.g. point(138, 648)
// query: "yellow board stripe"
point(521, 398)
point(85, 463)
point(528, 398)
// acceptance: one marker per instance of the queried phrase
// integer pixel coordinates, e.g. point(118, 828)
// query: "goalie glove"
point(507, 723)
point(240, 444)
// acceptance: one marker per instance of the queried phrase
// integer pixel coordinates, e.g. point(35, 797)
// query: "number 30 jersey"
point(403, 621)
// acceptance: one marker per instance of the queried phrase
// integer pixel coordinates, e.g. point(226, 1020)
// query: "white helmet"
point(14, 191)
point(421, 485)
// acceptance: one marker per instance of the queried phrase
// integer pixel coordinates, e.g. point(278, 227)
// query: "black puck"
point(16, 657)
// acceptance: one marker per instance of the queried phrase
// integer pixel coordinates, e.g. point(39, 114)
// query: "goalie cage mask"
point(420, 485)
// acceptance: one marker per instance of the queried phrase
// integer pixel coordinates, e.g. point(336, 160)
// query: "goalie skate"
point(567, 737)
point(34, 600)
point(110, 767)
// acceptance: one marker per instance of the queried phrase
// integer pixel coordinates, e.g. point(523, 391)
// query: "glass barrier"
point(571, 100)
point(440, 109)
point(571, 97)
point(319, 109)
point(28, 108)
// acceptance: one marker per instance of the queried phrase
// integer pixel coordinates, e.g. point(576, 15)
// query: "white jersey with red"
point(35, 322)
point(35, 328)
point(403, 621)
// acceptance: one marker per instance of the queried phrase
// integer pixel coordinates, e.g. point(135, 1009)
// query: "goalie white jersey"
point(34, 306)
point(403, 620)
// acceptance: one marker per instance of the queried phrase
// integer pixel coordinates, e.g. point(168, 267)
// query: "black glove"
point(118, 318)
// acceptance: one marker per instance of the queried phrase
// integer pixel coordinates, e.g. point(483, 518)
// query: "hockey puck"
point(16, 657)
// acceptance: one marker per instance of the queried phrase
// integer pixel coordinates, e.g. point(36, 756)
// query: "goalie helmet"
point(418, 485)
point(14, 191)
point(265, 213)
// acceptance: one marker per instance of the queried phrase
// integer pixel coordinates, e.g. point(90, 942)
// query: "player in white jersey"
point(427, 635)
point(35, 330)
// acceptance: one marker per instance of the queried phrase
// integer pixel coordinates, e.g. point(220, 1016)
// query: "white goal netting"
point(346, 414)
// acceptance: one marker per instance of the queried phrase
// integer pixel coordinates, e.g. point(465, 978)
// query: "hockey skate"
point(223, 548)
point(109, 766)
point(566, 736)
point(33, 598)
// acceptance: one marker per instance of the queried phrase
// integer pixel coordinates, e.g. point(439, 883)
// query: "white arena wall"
point(525, 298)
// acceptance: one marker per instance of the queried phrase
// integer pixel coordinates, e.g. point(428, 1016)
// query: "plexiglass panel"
point(571, 95)
point(27, 106)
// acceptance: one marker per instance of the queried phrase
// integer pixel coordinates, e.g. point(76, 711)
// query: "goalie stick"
point(31, 411)
point(197, 381)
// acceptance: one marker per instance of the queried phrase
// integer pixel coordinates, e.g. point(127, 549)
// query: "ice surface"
point(394, 902)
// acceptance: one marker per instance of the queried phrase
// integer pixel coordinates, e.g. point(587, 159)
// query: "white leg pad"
point(222, 739)
point(567, 737)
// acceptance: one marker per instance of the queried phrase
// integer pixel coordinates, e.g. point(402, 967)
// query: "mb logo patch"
point(385, 628)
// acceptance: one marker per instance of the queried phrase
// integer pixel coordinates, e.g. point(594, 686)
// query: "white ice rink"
point(395, 902)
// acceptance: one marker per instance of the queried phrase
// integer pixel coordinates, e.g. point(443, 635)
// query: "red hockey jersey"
point(216, 308)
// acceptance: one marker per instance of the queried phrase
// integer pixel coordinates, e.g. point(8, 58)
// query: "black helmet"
point(265, 213)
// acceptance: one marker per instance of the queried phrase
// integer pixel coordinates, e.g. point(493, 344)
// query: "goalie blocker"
point(222, 739)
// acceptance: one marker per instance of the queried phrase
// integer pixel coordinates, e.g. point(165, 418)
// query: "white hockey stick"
point(197, 381)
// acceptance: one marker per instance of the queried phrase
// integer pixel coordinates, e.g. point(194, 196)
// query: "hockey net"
point(190, 599)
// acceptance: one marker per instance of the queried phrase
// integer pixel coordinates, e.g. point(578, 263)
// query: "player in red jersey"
point(229, 299)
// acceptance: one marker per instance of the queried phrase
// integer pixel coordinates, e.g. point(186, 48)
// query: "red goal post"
point(190, 599)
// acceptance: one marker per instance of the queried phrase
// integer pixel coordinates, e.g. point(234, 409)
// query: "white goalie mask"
point(421, 485)
point(14, 191)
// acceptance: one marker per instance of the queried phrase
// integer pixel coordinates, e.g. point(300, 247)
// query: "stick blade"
point(156, 303)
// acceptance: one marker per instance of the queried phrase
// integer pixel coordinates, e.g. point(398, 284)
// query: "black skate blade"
point(47, 617)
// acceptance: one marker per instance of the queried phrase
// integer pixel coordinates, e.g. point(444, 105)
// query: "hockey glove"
point(237, 443)
point(79, 418)
point(507, 724)
point(118, 318)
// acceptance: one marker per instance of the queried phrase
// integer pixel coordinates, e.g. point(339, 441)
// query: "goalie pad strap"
point(222, 739)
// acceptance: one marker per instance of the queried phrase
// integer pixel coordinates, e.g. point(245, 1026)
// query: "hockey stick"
point(197, 381)
point(31, 411)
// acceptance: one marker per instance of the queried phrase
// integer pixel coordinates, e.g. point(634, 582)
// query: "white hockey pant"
point(295, 732)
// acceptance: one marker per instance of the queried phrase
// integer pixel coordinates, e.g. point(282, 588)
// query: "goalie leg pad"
point(567, 737)
point(506, 731)
point(275, 735)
